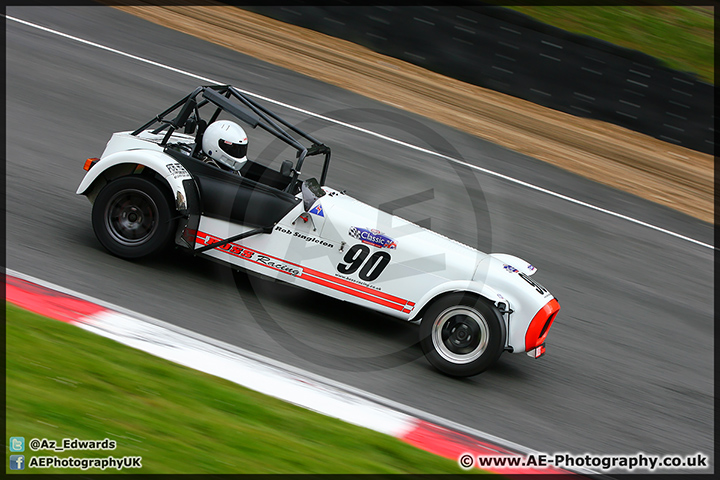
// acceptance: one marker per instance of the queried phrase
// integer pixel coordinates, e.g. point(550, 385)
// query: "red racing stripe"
point(340, 288)
point(356, 286)
point(320, 278)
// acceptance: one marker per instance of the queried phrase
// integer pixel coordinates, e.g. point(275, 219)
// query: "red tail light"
point(538, 329)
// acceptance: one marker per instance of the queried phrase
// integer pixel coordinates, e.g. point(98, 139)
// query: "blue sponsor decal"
point(318, 210)
point(510, 268)
point(372, 237)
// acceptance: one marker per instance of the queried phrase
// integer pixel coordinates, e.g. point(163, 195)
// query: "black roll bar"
point(255, 115)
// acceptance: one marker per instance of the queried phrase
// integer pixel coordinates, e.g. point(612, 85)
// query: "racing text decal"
point(250, 255)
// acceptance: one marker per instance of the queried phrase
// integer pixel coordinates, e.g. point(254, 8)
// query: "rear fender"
point(127, 162)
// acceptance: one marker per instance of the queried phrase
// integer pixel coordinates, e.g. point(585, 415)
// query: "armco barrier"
point(509, 52)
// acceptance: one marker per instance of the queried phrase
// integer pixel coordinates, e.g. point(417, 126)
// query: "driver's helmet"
point(226, 142)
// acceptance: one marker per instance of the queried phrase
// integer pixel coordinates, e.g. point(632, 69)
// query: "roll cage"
point(226, 98)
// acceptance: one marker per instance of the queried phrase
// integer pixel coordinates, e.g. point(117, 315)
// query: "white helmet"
point(227, 143)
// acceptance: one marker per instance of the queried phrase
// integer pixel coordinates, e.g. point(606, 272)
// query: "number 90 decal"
point(371, 268)
point(540, 289)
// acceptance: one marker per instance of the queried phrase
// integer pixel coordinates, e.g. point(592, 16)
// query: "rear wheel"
point(132, 217)
point(461, 335)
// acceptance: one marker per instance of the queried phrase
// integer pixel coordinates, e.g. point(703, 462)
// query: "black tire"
point(133, 217)
point(462, 335)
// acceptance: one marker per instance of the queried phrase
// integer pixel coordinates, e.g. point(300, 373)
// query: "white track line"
point(374, 134)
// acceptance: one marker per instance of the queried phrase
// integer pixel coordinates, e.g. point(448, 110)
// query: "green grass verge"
point(64, 382)
point(682, 37)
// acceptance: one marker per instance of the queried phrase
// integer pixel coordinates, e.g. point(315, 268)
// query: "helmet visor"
point(235, 150)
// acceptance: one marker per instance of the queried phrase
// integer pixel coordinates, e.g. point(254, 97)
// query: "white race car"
point(195, 188)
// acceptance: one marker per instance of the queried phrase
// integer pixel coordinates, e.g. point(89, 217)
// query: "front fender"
point(165, 166)
point(480, 289)
point(527, 298)
point(477, 288)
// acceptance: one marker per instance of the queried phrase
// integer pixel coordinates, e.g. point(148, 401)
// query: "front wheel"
point(461, 335)
point(132, 217)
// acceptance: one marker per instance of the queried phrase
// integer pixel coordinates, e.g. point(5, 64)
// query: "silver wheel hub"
point(460, 334)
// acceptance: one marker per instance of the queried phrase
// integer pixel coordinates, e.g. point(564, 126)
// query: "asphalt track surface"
point(629, 366)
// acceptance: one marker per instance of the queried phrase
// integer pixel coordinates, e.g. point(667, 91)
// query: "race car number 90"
point(371, 269)
point(540, 289)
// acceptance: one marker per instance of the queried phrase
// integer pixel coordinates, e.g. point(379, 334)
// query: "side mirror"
point(190, 125)
point(311, 191)
point(286, 168)
point(184, 114)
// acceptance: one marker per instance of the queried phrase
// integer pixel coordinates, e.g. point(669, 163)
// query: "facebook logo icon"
point(17, 462)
